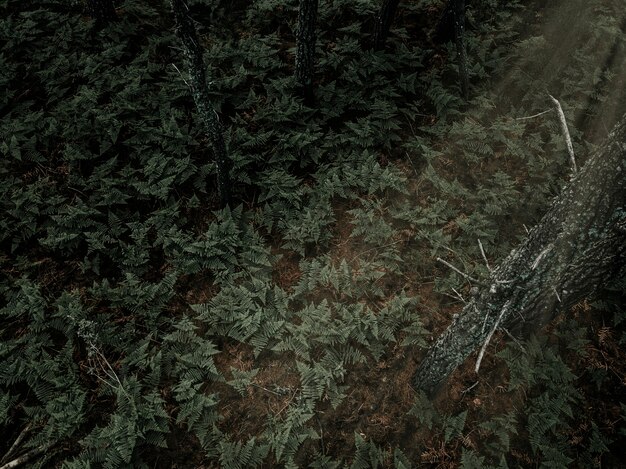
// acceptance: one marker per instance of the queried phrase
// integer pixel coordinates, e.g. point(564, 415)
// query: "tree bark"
point(452, 26)
point(102, 11)
point(305, 48)
point(193, 54)
point(383, 23)
point(461, 49)
point(578, 245)
point(444, 31)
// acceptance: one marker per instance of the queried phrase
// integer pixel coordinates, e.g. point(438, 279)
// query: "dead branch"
point(565, 130)
point(26, 457)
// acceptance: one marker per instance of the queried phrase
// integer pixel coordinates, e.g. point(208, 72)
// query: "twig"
point(512, 337)
point(451, 296)
point(459, 295)
point(287, 404)
point(377, 248)
point(465, 391)
point(493, 330)
point(181, 75)
point(504, 282)
point(482, 251)
point(468, 277)
point(265, 389)
point(533, 116)
point(16, 443)
point(111, 374)
point(540, 256)
point(565, 130)
point(482, 329)
point(411, 161)
point(26, 457)
point(557, 295)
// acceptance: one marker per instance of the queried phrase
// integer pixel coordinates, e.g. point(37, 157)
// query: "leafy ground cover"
point(145, 327)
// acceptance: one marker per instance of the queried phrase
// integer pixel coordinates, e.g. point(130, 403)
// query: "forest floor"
point(382, 396)
point(291, 327)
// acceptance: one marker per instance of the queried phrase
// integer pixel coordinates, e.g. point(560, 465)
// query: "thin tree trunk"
point(444, 32)
point(193, 53)
point(452, 26)
point(577, 246)
point(102, 11)
point(461, 49)
point(305, 48)
point(383, 23)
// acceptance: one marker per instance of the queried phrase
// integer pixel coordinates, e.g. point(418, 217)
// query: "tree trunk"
point(577, 246)
point(102, 11)
point(461, 50)
point(452, 26)
point(305, 48)
point(193, 53)
point(383, 23)
point(444, 32)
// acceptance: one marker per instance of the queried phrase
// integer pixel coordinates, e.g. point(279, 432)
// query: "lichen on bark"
point(578, 245)
point(186, 32)
point(305, 47)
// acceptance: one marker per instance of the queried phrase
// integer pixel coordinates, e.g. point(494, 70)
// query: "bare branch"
point(512, 337)
point(482, 251)
point(181, 75)
point(110, 373)
point(465, 391)
point(540, 256)
point(468, 277)
point(565, 130)
point(265, 389)
point(26, 457)
point(493, 330)
point(533, 116)
point(482, 329)
point(459, 296)
point(16, 443)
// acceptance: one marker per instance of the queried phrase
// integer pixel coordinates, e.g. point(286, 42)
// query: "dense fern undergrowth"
point(142, 326)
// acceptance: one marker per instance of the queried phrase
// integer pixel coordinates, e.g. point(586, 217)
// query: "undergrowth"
point(145, 327)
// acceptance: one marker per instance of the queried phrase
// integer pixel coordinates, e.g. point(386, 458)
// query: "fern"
point(235, 455)
point(453, 426)
point(287, 435)
point(196, 409)
point(367, 454)
point(424, 411)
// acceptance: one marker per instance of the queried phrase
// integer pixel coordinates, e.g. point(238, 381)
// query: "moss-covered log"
point(186, 32)
point(579, 244)
point(305, 47)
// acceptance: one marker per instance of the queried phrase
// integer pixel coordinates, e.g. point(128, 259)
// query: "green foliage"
point(424, 411)
point(453, 426)
point(367, 455)
point(400, 460)
point(501, 427)
point(235, 455)
point(550, 410)
point(136, 419)
point(470, 460)
point(289, 433)
point(125, 291)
